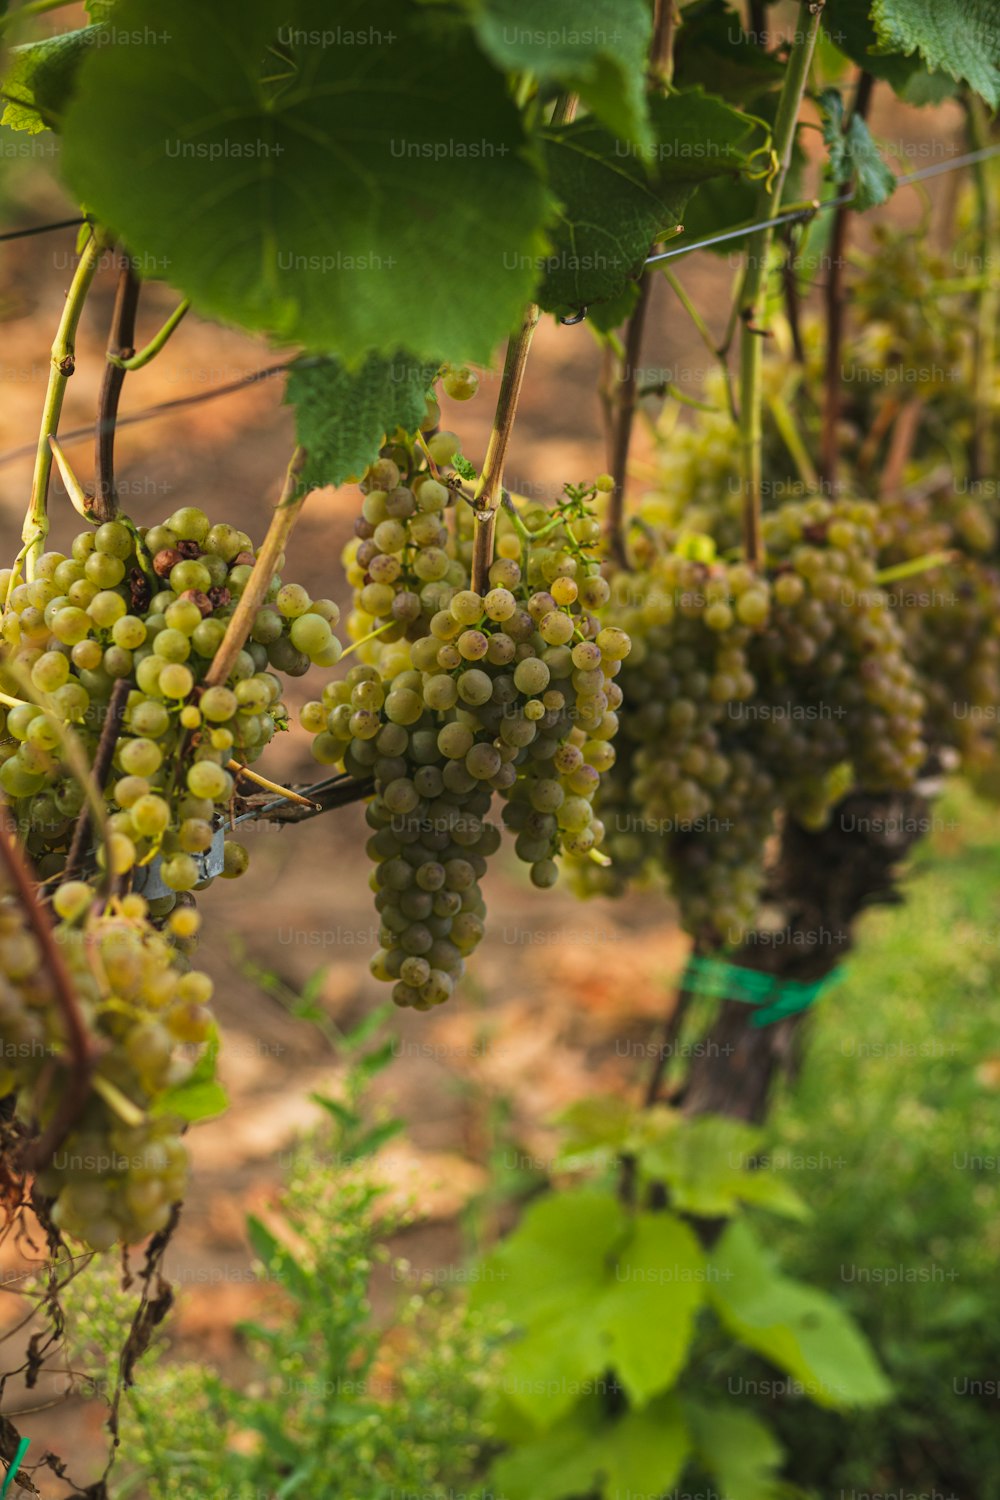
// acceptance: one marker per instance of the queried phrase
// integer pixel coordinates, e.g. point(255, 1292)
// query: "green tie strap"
point(775, 998)
point(23, 1447)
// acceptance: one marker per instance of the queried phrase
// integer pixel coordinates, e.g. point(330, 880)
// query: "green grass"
point(898, 1097)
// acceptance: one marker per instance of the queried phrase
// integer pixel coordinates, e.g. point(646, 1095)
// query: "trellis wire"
point(809, 210)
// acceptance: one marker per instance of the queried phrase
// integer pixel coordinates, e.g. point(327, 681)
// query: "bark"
point(821, 883)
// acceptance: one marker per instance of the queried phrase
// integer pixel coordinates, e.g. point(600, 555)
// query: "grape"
point(210, 782)
point(460, 383)
point(175, 680)
point(110, 1180)
point(311, 634)
point(236, 860)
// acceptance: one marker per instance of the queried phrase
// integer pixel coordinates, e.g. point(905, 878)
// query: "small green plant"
point(619, 1296)
point(336, 1404)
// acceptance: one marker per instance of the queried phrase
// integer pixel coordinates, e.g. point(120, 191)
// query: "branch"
point(82, 1055)
point(285, 515)
point(102, 766)
point(705, 334)
point(325, 796)
point(156, 343)
point(661, 53)
point(486, 501)
point(833, 303)
point(121, 344)
point(751, 302)
point(790, 291)
point(62, 363)
point(625, 404)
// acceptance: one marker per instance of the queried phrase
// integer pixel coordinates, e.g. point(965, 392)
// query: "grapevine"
point(683, 673)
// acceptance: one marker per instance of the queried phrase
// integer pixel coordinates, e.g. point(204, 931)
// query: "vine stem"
point(661, 55)
point(793, 441)
point(486, 501)
point(833, 304)
point(121, 341)
point(156, 343)
point(752, 294)
point(62, 362)
point(705, 334)
point(110, 731)
point(82, 1055)
point(625, 400)
point(286, 513)
point(984, 452)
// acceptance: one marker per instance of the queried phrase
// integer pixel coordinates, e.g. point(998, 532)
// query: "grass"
point(892, 1133)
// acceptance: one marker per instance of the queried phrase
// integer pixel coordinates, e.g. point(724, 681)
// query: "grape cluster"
point(509, 692)
point(752, 695)
point(150, 607)
point(123, 1164)
point(950, 615)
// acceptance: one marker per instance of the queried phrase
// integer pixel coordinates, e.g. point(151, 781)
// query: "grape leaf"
point(342, 415)
point(847, 23)
point(713, 50)
point(615, 201)
point(961, 37)
point(604, 317)
point(594, 48)
point(642, 1453)
point(854, 156)
point(802, 1331)
point(40, 77)
point(590, 1288)
point(650, 1306)
point(737, 1450)
point(550, 1275)
point(341, 204)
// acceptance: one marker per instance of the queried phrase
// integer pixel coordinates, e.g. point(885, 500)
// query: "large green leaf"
point(593, 48)
point(737, 1450)
point(713, 50)
point(341, 415)
point(802, 1331)
point(642, 1453)
point(615, 201)
point(848, 25)
point(649, 1308)
point(40, 78)
point(589, 1288)
point(550, 1275)
point(854, 156)
point(961, 37)
point(340, 203)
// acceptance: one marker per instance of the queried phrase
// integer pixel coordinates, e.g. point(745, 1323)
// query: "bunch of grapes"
point(950, 614)
point(149, 607)
point(123, 1164)
point(508, 692)
point(752, 695)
